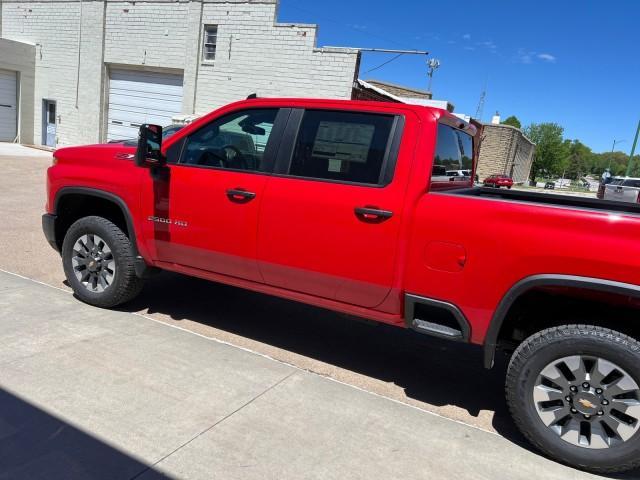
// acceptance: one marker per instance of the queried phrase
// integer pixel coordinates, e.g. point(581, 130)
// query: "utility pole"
point(433, 65)
point(483, 95)
point(615, 142)
point(633, 150)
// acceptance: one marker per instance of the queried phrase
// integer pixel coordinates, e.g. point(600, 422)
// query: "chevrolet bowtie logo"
point(586, 403)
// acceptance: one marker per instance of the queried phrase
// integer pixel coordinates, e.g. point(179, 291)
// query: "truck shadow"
point(36, 444)
point(429, 370)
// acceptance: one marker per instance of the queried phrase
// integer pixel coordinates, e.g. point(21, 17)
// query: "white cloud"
point(466, 36)
point(547, 57)
point(488, 44)
point(524, 56)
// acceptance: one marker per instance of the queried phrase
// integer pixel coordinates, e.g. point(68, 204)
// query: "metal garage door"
point(137, 97)
point(8, 106)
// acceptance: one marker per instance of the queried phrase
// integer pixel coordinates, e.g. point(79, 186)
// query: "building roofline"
point(502, 125)
point(402, 87)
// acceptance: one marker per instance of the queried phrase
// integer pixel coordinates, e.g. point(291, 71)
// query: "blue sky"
point(573, 62)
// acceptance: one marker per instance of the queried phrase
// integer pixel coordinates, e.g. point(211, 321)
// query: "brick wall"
point(254, 54)
point(505, 150)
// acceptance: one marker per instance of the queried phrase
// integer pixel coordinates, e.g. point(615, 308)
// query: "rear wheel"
point(574, 392)
point(98, 260)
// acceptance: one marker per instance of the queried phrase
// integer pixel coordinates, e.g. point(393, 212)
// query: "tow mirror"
point(149, 151)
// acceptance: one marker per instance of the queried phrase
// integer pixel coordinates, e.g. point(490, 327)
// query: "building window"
point(209, 44)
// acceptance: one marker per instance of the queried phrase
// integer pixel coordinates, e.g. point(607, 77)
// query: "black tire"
point(543, 348)
point(125, 285)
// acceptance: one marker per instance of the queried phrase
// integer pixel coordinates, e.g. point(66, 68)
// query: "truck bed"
point(567, 201)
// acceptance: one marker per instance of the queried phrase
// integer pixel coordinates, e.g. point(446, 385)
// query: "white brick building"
point(93, 70)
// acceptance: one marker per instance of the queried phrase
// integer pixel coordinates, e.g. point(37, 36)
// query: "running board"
point(436, 318)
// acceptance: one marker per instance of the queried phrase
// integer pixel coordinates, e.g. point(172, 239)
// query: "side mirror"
point(149, 146)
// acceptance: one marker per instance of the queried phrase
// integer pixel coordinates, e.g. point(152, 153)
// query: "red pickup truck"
point(343, 205)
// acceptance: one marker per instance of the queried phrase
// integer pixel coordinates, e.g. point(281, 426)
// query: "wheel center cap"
point(586, 403)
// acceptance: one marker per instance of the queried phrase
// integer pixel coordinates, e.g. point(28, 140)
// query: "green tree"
point(513, 121)
point(579, 159)
point(551, 155)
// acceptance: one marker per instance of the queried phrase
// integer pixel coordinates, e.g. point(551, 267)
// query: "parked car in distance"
point(347, 205)
point(167, 132)
point(498, 181)
point(625, 189)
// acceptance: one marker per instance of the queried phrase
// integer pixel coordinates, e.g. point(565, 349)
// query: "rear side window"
point(454, 154)
point(631, 183)
point(342, 146)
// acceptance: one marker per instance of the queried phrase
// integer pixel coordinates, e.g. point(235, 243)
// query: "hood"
point(96, 153)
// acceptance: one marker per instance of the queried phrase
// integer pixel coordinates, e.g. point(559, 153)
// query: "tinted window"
point(236, 141)
point(454, 153)
point(342, 146)
point(631, 183)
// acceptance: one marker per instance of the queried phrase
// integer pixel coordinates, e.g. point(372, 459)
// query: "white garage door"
point(141, 97)
point(8, 106)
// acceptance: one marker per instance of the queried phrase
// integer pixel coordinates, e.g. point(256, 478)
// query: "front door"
point(49, 123)
point(205, 213)
point(329, 223)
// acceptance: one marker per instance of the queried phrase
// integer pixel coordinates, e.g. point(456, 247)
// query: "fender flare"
point(551, 280)
point(141, 267)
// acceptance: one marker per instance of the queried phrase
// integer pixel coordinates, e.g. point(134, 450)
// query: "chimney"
point(495, 120)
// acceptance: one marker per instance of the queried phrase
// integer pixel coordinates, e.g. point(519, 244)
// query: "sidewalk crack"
point(149, 467)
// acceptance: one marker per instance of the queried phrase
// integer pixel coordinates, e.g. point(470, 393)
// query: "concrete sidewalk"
point(90, 393)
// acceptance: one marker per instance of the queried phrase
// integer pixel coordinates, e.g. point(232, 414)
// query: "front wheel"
point(98, 260)
point(574, 392)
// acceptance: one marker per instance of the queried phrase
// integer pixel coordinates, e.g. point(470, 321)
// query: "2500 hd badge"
point(168, 221)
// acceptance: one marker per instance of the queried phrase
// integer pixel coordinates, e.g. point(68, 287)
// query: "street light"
point(615, 142)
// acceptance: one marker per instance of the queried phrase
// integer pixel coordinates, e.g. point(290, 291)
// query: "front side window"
point(342, 146)
point(236, 141)
point(454, 155)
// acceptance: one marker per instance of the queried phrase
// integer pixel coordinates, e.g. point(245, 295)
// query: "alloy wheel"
point(93, 263)
point(588, 401)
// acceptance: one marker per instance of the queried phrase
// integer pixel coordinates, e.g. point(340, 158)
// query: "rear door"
point(331, 213)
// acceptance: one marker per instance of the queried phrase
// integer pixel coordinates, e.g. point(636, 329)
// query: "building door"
point(8, 106)
point(49, 123)
point(137, 97)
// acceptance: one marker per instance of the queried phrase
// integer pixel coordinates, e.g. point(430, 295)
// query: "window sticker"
point(343, 141)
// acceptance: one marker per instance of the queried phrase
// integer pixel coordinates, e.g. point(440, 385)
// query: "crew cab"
point(347, 205)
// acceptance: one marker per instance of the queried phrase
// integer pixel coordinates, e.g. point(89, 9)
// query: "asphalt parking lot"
point(298, 343)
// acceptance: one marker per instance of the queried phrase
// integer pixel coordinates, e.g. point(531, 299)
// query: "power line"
point(383, 64)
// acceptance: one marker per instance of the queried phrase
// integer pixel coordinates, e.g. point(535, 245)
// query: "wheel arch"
point(546, 280)
point(83, 192)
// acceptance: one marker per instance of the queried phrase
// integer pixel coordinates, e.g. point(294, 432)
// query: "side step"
point(436, 318)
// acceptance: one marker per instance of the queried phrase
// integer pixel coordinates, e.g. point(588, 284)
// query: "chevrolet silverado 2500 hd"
point(347, 205)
